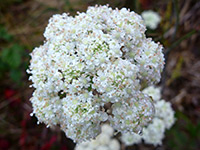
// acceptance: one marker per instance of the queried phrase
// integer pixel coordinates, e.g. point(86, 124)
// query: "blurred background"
point(22, 23)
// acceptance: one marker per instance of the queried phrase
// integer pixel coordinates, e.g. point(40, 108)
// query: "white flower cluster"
point(90, 70)
point(151, 19)
point(103, 141)
point(154, 132)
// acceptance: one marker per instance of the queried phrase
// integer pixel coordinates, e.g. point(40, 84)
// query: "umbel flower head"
point(154, 132)
point(91, 69)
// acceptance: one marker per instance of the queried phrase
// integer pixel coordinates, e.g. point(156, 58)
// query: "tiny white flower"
point(130, 139)
point(153, 92)
point(154, 133)
point(151, 19)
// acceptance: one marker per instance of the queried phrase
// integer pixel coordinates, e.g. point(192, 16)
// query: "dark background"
point(22, 23)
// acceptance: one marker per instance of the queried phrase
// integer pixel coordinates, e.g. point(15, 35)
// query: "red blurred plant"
point(4, 144)
point(49, 143)
point(12, 96)
point(145, 3)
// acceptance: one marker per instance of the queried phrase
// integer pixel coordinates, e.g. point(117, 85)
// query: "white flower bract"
point(154, 133)
point(165, 112)
point(153, 92)
point(103, 141)
point(130, 138)
point(151, 19)
point(89, 66)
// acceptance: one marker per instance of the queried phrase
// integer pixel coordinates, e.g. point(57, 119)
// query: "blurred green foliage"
point(4, 35)
point(185, 134)
point(11, 56)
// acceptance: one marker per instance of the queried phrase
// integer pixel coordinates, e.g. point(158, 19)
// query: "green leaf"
point(12, 56)
point(16, 75)
point(4, 34)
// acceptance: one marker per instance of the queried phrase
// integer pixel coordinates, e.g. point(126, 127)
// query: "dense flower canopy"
point(91, 69)
point(153, 133)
